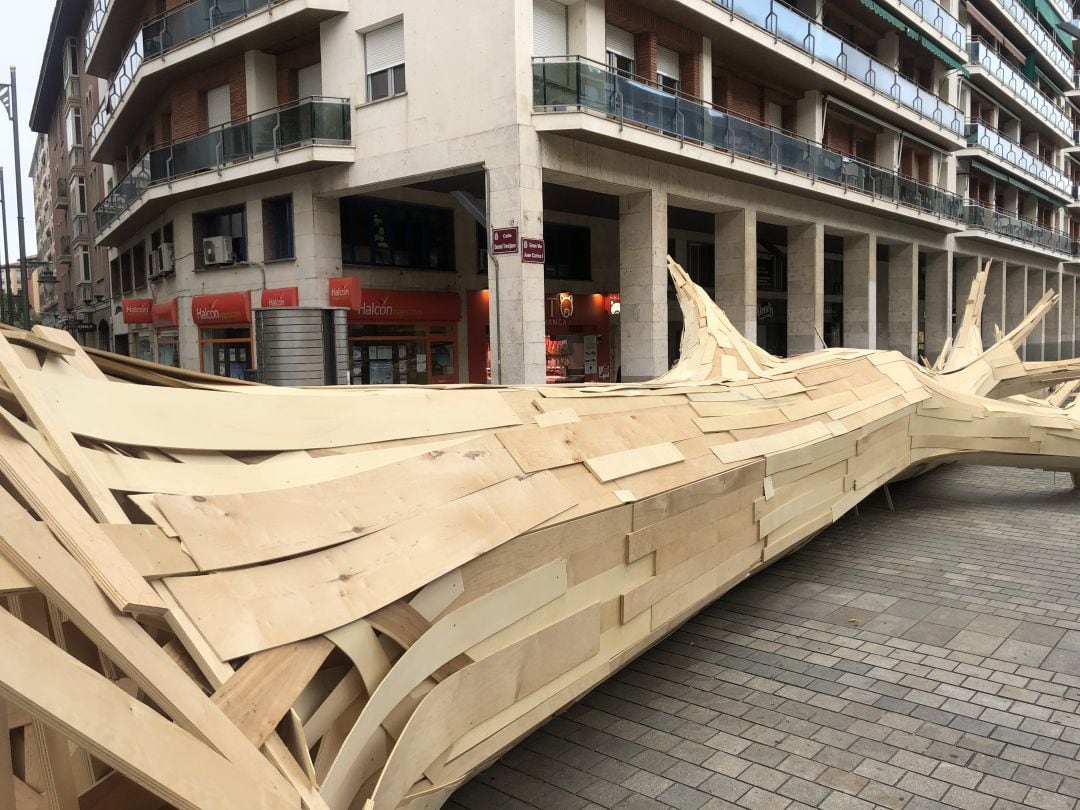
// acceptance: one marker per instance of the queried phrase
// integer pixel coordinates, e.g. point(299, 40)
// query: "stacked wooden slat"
point(225, 595)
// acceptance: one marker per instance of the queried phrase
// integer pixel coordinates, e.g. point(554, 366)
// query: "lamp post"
point(5, 315)
point(9, 97)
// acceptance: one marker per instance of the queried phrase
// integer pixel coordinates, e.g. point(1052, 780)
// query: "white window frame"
point(78, 195)
point(387, 64)
point(73, 127)
point(83, 257)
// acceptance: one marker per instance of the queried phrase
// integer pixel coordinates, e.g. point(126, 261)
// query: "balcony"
point(80, 228)
point(1043, 40)
point(1020, 159)
point(574, 84)
point(300, 136)
point(984, 218)
point(197, 34)
point(781, 22)
point(1019, 86)
point(939, 19)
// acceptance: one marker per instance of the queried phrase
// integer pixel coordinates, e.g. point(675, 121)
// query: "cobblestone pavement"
point(927, 657)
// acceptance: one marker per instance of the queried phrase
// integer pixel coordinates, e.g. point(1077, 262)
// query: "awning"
point(943, 55)
point(916, 35)
point(982, 167)
point(1049, 12)
point(1012, 181)
point(994, 32)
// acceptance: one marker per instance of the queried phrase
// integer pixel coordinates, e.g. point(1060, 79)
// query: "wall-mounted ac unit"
point(161, 261)
point(217, 250)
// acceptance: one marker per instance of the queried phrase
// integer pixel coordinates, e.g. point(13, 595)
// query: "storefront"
point(165, 318)
point(224, 323)
point(138, 317)
point(577, 331)
point(399, 337)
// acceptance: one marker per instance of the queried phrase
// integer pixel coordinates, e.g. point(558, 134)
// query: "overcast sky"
point(22, 43)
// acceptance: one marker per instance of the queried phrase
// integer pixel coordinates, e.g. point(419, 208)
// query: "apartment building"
point(41, 180)
point(491, 188)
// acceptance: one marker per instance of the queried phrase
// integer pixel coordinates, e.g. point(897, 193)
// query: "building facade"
point(45, 297)
point(833, 173)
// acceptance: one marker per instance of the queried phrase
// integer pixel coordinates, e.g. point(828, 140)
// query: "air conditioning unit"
point(161, 261)
point(155, 264)
point(217, 250)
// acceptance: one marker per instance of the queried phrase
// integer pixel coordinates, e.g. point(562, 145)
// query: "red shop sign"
point(137, 310)
point(504, 240)
point(532, 251)
point(345, 292)
point(224, 308)
point(379, 306)
point(166, 314)
point(281, 297)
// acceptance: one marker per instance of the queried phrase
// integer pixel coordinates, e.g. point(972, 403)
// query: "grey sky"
point(22, 43)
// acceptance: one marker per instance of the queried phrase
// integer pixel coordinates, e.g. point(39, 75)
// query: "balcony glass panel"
point(1016, 155)
point(939, 18)
point(563, 84)
point(1019, 85)
point(309, 121)
point(97, 15)
point(1043, 38)
point(784, 22)
point(1000, 222)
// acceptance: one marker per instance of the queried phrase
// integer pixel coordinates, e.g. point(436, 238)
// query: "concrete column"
point(1035, 287)
point(1029, 209)
point(886, 146)
point(260, 74)
point(1052, 336)
point(643, 232)
point(1016, 305)
point(993, 313)
point(947, 175)
point(888, 49)
point(860, 291)
point(1068, 316)
point(736, 269)
point(706, 70)
point(810, 115)
point(965, 269)
point(939, 303)
point(904, 298)
point(516, 315)
point(806, 287)
point(585, 29)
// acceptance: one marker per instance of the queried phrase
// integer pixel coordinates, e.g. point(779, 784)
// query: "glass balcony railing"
point(1016, 155)
point(983, 217)
point(1019, 85)
point(570, 84)
point(1043, 38)
point(97, 16)
point(300, 123)
point(785, 23)
point(938, 18)
point(161, 35)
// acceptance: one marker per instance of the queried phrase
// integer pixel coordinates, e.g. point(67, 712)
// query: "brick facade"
point(289, 65)
point(652, 31)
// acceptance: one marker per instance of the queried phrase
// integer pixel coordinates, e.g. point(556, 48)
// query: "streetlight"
point(5, 316)
point(9, 97)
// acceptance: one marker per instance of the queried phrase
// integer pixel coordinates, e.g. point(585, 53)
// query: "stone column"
point(1068, 316)
point(260, 71)
point(964, 269)
point(810, 115)
point(1016, 306)
point(939, 301)
point(860, 291)
point(643, 232)
point(1035, 287)
point(585, 29)
point(806, 287)
point(993, 313)
point(904, 298)
point(706, 70)
point(736, 269)
point(1052, 336)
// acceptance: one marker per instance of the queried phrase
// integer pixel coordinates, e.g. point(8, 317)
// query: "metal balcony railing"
point(938, 18)
point(573, 83)
point(783, 22)
point(1015, 155)
point(97, 16)
point(1004, 223)
point(1019, 85)
point(301, 123)
point(163, 34)
point(1043, 38)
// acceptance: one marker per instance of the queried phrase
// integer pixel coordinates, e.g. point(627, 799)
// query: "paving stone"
point(927, 632)
point(972, 641)
point(1022, 652)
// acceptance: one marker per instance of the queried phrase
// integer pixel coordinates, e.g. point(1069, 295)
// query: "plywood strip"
point(629, 462)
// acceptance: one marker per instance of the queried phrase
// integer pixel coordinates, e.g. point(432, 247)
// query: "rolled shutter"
point(549, 28)
point(667, 63)
point(385, 47)
point(620, 42)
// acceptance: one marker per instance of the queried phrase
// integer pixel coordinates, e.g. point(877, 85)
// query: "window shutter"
point(620, 42)
point(549, 28)
point(667, 63)
point(385, 47)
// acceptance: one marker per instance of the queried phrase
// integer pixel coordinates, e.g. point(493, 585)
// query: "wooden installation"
point(223, 595)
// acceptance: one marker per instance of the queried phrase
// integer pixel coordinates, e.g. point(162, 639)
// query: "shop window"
point(403, 354)
point(568, 252)
point(226, 351)
point(229, 222)
point(391, 234)
point(385, 61)
point(278, 228)
point(168, 347)
point(701, 264)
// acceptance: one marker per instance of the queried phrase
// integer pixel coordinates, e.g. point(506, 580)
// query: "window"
point(79, 195)
point(231, 222)
point(74, 127)
point(82, 262)
point(278, 228)
point(620, 50)
point(393, 234)
point(549, 28)
point(71, 58)
point(385, 56)
point(667, 70)
point(568, 252)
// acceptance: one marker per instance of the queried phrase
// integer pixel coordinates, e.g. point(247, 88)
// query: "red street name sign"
point(504, 240)
point(532, 251)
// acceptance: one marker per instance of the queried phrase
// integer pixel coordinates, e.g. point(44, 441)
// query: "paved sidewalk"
point(928, 657)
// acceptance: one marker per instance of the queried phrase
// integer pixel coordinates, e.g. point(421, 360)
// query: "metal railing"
point(783, 22)
point(978, 134)
point(308, 121)
point(572, 83)
point(938, 18)
point(163, 34)
point(980, 53)
point(984, 217)
point(97, 17)
point(1043, 38)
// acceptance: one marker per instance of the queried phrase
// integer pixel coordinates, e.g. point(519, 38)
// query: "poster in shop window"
point(381, 372)
point(590, 354)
